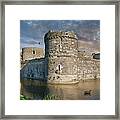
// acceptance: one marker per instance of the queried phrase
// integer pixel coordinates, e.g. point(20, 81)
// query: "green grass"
point(22, 97)
point(47, 97)
point(51, 97)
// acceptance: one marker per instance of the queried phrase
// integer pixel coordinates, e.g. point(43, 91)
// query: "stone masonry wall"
point(88, 68)
point(34, 69)
point(61, 51)
point(63, 61)
point(32, 53)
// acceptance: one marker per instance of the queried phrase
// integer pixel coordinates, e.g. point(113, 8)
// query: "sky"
point(32, 31)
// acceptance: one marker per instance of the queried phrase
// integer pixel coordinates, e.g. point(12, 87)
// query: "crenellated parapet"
point(53, 35)
point(60, 44)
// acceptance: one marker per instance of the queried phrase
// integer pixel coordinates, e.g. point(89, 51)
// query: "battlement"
point(60, 43)
point(53, 35)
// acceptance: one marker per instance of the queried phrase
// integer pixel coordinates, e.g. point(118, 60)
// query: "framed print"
point(59, 59)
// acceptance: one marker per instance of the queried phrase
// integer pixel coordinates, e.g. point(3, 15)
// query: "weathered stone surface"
point(31, 53)
point(63, 62)
point(61, 51)
point(34, 69)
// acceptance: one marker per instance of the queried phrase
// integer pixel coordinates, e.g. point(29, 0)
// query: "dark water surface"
point(88, 90)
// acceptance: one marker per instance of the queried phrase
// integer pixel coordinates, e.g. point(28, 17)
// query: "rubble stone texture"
point(61, 52)
point(31, 53)
point(63, 61)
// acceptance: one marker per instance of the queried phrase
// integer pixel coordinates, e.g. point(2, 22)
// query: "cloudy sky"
point(32, 31)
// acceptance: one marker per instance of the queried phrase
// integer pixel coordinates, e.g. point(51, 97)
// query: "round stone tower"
point(61, 56)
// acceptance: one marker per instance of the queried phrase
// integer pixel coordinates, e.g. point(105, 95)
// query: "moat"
point(84, 90)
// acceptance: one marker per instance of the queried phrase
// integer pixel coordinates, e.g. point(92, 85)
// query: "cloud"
point(33, 31)
point(23, 45)
point(29, 22)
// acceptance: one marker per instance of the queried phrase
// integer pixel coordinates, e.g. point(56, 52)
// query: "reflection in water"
point(88, 90)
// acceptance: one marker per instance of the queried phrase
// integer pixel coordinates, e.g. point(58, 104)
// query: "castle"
point(30, 53)
point(63, 62)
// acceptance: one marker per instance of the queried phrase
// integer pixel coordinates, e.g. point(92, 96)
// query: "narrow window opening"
point(59, 68)
point(33, 52)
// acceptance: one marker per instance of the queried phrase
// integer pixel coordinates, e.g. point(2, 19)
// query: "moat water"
point(87, 90)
